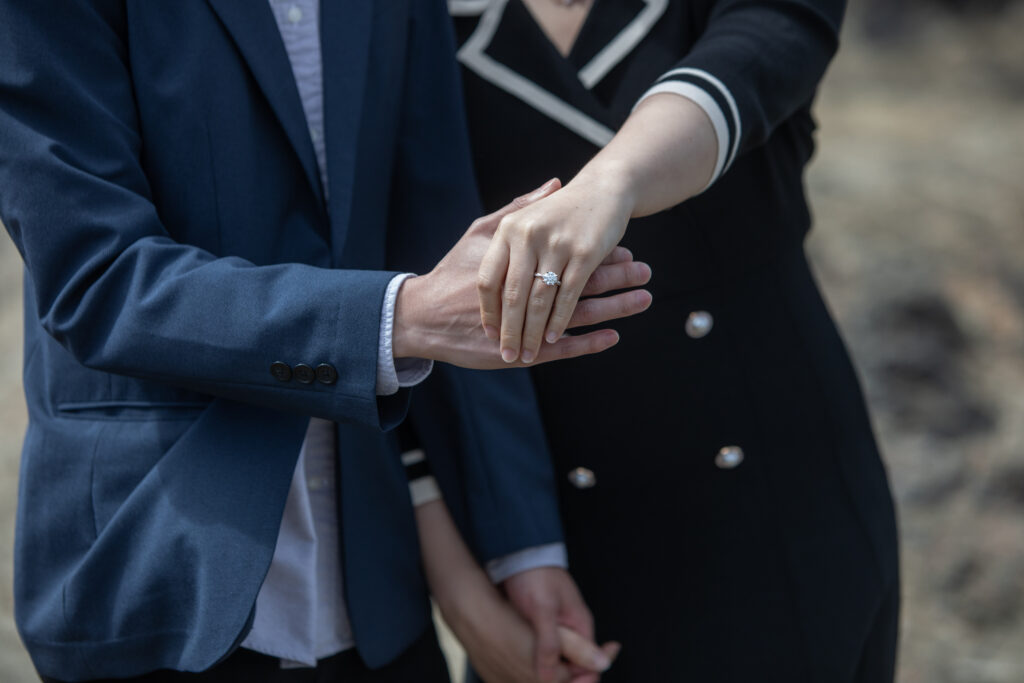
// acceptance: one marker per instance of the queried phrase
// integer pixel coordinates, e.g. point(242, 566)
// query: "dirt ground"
point(918, 190)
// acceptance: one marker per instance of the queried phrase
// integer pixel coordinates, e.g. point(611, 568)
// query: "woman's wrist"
point(613, 178)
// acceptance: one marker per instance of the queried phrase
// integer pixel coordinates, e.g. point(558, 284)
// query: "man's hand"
point(437, 316)
point(547, 597)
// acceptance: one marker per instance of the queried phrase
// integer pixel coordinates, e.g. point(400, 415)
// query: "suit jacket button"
point(729, 457)
point(281, 371)
point(699, 324)
point(326, 374)
point(304, 373)
point(582, 478)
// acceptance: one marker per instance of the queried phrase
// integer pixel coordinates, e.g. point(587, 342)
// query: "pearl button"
point(582, 478)
point(729, 457)
point(294, 14)
point(699, 324)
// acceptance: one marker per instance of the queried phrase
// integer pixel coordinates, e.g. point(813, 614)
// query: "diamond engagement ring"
point(549, 278)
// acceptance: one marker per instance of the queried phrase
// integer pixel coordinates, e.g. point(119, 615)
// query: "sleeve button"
point(281, 371)
point(304, 373)
point(326, 374)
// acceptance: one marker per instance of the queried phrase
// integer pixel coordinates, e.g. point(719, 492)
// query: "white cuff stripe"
point(700, 73)
point(424, 490)
point(710, 107)
point(459, 8)
point(413, 457)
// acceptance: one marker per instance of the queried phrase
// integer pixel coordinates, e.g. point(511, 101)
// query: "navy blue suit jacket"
point(158, 178)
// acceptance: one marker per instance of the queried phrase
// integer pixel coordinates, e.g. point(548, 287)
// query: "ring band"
point(549, 278)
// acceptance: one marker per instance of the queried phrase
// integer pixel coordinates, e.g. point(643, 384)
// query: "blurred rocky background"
point(918, 191)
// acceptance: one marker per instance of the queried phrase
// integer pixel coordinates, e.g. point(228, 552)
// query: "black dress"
point(726, 511)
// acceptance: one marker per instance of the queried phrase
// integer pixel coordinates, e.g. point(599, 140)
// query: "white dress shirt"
point(300, 610)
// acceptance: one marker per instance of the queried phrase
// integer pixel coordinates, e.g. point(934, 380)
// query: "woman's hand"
point(568, 233)
point(664, 154)
point(437, 315)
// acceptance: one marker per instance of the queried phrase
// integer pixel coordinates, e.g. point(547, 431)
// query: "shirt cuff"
point(550, 555)
point(711, 95)
point(393, 374)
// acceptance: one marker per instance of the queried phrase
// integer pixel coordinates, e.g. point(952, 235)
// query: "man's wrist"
point(407, 340)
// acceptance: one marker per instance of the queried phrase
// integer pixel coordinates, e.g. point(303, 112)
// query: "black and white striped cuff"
point(422, 486)
point(711, 95)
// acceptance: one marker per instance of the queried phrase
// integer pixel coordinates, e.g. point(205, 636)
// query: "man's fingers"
point(582, 651)
point(603, 309)
point(490, 280)
point(620, 275)
point(617, 255)
point(584, 344)
point(573, 281)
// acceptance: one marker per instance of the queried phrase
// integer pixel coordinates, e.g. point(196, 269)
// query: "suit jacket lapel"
point(345, 27)
point(251, 25)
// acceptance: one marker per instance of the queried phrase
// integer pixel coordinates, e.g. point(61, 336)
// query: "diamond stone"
point(550, 279)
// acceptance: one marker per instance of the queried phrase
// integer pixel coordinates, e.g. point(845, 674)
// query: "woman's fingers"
point(514, 299)
point(582, 675)
point(603, 309)
point(582, 652)
point(541, 299)
point(573, 281)
point(495, 263)
point(490, 281)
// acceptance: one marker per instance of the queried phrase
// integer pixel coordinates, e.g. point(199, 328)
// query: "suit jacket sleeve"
point(756, 63)
point(111, 285)
point(481, 430)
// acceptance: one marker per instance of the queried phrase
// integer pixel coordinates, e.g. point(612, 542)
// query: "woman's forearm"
point(449, 566)
point(664, 154)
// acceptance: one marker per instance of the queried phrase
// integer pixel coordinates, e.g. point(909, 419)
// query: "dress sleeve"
point(756, 63)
